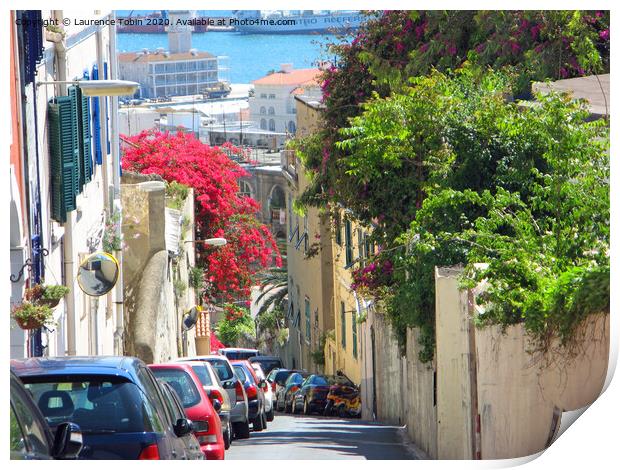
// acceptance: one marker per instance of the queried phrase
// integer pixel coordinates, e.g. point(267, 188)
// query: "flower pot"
point(29, 323)
point(51, 303)
point(53, 36)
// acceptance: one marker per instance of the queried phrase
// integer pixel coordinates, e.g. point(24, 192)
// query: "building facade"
point(273, 105)
point(162, 73)
point(64, 168)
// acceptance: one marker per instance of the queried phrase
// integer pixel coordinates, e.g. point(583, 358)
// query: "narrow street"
point(319, 438)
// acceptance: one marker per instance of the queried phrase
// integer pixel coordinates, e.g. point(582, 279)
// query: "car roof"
point(259, 358)
point(122, 366)
point(238, 349)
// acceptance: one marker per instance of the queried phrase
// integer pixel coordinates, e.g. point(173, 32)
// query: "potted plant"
point(30, 316)
point(34, 293)
point(52, 294)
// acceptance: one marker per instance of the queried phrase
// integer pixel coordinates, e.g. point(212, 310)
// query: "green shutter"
point(76, 111)
point(63, 147)
point(86, 158)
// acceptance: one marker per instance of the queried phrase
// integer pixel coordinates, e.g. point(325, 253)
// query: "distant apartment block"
point(161, 73)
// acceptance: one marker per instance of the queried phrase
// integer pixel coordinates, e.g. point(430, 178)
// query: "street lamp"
point(210, 241)
point(100, 87)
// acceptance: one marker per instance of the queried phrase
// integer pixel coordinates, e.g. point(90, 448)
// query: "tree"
point(221, 211)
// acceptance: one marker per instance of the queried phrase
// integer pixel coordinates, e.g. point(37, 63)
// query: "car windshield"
point(281, 376)
point(339, 380)
point(203, 374)
point(182, 383)
point(222, 368)
point(236, 355)
point(240, 373)
point(319, 380)
point(100, 405)
point(268, 364)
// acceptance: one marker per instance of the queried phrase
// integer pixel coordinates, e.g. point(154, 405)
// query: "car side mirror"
point(217, 405)
point(183, 427)
point(67, 441)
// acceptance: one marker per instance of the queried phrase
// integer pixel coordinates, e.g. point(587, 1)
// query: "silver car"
point(234, 388)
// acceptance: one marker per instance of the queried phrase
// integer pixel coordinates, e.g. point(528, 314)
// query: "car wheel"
point(264, 418)
point(242, 430)
point(257, 424)
point(295, 410)
point(307, 409)
point(227, 438)
point(342, 411)
point(328, 408)
point(287, 408)
point(270, 415)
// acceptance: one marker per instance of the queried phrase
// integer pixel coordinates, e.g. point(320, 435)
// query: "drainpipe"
point(116, 180)
point(67, 241)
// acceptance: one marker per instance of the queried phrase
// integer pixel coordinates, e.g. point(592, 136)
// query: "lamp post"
point(210, 241)
point(92, 88)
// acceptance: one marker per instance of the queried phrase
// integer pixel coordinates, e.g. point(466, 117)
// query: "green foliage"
point(234, 325)
point(179, 288)
point(318, 356)
point(454, 174)
point(176, 194)
point(196, 277)
point(54, 292)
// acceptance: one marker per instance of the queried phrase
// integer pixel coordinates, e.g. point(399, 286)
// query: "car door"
point(188, 446)
point(29, 438)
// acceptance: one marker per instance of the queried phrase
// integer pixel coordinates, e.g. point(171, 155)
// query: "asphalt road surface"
point(316, 437)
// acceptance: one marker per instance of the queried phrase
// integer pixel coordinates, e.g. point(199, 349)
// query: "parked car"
point(116, 401)
point(198, 407)
point(175, 408)
point(276, 379)
point(256, 396)
point(236, 392)
point(312, 395)
point(268, 363)
point(235, 354)
point(285, 397)
point(30, 436)
point(265, 386)
point(213, 387)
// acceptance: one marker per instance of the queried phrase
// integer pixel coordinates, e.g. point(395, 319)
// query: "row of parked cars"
point(120, 408)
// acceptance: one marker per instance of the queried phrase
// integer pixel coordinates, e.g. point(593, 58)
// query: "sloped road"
point(319, 438)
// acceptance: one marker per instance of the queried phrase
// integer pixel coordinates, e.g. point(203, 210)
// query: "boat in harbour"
point(295, 21)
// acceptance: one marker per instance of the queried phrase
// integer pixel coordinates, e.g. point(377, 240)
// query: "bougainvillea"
point(220, 210)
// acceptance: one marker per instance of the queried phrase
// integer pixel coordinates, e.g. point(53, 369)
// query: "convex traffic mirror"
point(98, 274)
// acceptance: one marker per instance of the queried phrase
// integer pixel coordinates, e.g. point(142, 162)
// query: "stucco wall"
point(495, 378)
point(404, 385)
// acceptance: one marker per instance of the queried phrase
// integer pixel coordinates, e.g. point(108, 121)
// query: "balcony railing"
point(289, 164)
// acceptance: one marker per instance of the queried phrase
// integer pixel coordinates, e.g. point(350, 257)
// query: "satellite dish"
point(190, 317)
point(97, 274)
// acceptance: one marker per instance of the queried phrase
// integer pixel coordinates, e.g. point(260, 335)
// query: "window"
point(263, 124)
point(308, 332)
point(182, 383)
point(354, 331)
point(338, 229)
point(263, 95)
point(360, 245)
point(291, 127)
point(272, 125)
point(271, 111)
point(348, 243)
point(26, 431)
point(245, 189)
point(272, 96)
point(343, 326)
point(262, 110)
point(305, 233)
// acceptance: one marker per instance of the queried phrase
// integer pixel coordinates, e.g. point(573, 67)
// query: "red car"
point(197, 405)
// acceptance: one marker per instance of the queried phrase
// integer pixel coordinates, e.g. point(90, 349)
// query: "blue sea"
point(250, 56)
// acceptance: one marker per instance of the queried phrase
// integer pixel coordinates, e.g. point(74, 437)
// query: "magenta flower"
point(604, 35)
point(515, 48)
point(424, 47)
point(399, 47)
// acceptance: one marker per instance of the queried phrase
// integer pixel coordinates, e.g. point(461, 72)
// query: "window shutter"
point(76, 99)
point(96, 124)
point(86, 155)
point(63, 147)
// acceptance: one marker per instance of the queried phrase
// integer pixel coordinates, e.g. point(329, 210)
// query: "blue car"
point(119, 406)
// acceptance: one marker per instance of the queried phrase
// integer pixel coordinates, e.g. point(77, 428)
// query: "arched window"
point(263, 124)
point(245, 189)
point(291, 127)
point(271, 111)
point(272, 125)
point(262, 110)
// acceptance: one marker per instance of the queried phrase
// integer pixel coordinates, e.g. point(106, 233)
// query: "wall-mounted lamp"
point(100, 87)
